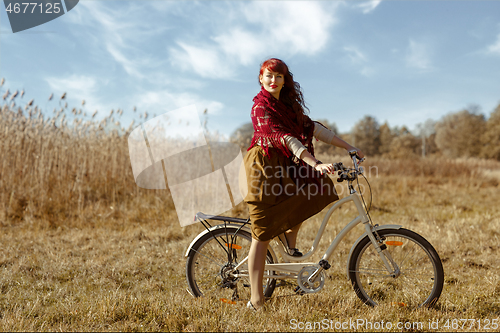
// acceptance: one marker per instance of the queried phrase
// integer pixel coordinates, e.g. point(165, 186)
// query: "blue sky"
point(399, 61)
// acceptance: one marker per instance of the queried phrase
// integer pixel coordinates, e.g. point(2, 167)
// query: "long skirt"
point(280, 195)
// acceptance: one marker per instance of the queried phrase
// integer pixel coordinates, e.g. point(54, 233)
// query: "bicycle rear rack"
point(203, 219)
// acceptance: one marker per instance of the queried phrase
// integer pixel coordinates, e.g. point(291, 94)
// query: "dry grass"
point(84, 249)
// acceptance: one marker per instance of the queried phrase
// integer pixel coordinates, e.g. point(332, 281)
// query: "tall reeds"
point(57, 169)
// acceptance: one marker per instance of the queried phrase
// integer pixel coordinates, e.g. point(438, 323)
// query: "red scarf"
point(272, 120)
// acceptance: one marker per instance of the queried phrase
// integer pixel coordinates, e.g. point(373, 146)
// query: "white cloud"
point(302, 26)
point(203, 60)
point(78, 88)
point(369, 6)
point(359, 60)
point(76, 85)
point(241, 44)
point(418, 55)
point(258, 29)
point(131, 67)
point(162, 101)
point(355, 55)
point(495, 47)
point(119, 30)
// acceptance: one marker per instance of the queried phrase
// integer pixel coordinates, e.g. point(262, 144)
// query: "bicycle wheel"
point(211, 273)
point(420, 279)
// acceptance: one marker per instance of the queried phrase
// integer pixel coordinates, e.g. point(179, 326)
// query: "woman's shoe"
point(250, 306)
point(291, 251)
point(295, 252)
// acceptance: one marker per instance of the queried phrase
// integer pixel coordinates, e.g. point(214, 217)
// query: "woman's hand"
point(358, 151)
point(324, 168)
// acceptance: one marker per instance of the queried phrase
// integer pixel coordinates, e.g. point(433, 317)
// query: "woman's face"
point(272, 82)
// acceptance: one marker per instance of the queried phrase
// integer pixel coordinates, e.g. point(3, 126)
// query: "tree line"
point(466, 133)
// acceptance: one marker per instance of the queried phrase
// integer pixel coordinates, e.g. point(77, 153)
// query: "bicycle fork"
point(381, 248)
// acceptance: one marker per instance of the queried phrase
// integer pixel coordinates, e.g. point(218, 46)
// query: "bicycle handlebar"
point(346, 173)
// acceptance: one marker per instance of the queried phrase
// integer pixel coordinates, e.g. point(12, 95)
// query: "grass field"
point(84, 249)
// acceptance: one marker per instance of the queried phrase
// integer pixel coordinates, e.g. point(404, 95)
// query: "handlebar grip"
point(354, 153)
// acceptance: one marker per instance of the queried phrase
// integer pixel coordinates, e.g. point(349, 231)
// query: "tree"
point(491, 136)
point(459, 134)
point(366, 135)
point(405, 145)
point(386, 137)
point(430, 145)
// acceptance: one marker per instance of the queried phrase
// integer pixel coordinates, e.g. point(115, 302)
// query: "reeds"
point(63, 168)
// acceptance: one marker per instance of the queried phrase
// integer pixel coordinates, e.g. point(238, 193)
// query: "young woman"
point(286, 183)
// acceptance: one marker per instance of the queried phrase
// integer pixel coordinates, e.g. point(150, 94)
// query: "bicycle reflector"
point(400, 304)
point(225, 300)
point(394, 243)
point(234, 246)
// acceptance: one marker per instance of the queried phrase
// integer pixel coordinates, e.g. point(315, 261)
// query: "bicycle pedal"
point(299, 291)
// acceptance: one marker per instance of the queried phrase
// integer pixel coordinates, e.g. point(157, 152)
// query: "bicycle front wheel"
point(417, 281)
point(210, 267)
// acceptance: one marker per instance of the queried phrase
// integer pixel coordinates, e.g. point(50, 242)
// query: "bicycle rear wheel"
point(419, 282)
point(211, 261)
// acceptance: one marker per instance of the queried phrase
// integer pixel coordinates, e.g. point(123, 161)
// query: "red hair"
point(290, 94)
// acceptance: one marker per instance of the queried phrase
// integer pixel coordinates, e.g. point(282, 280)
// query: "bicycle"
point(387, 264)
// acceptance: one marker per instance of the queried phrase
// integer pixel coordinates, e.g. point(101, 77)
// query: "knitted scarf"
point(272, 120)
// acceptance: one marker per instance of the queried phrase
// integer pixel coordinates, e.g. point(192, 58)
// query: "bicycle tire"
point(208, 268)
point(421, 278)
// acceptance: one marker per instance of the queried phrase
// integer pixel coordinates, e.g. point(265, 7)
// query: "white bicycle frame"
point(292, 269)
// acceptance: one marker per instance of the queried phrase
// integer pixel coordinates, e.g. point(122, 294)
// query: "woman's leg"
point(291, 236)
point(256, 263)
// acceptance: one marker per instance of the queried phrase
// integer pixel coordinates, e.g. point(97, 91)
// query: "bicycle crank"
point(306, 281)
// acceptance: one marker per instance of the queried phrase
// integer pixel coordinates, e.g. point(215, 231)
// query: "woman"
point(286, 183)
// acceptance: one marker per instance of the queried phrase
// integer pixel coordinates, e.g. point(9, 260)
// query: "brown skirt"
point(279, 196)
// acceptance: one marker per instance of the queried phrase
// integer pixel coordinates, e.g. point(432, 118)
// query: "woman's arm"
point(301, 152)
point(328, 136)
point(325, 135)
point(315, 163)
point(338, 142)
